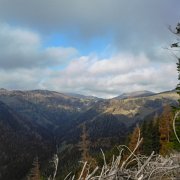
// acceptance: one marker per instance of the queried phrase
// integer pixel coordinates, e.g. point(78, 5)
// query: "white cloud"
point(121, 73)
point(118, 64)
point(93, 76)
point(21, 48)
point(23, 79)
point(26, 64)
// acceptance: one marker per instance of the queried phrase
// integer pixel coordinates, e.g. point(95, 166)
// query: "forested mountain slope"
point(20, 142)
point(37, 121)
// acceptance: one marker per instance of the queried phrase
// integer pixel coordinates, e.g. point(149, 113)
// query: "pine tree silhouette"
point(35, 171)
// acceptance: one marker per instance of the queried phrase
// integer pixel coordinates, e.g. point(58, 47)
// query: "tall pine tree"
point(165, 130)
point(175, 51)
point(175, 46)
point(35, 171)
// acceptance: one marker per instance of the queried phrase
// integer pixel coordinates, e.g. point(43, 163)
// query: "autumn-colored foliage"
point(165, 129)
point(134, 140)
point(35, 171)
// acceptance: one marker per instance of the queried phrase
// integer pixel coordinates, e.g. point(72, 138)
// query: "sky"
point(93, 47)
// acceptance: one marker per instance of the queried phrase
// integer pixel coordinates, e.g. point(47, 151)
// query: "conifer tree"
point(35, 171)
point(84, 147)
point(134, 140)
point(175, 49)
point(178, 85)
point(150, 134)
point(165, 129)
point(84, 144)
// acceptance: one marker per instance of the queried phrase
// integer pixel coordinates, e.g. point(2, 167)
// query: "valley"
point(41, 123)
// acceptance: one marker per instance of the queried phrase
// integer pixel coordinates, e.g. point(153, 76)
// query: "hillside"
point(135, 94)
point(59, 119)
point(20, 142)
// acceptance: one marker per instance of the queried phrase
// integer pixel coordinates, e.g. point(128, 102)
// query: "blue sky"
point(99, 47)
point(97, 44)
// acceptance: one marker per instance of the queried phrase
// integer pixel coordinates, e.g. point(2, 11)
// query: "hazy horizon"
point(89, 95)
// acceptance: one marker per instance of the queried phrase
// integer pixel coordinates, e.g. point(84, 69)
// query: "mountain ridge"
point(134, 94)
point(107, 121)
point(21, 141)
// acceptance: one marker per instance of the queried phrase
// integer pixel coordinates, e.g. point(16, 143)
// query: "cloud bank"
point(25, 64)
point(132, 32)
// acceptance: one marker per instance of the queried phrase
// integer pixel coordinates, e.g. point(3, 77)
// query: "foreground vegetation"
point(134, 167)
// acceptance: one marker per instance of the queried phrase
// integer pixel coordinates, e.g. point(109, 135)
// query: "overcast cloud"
point(20, 48)
point(134, 34)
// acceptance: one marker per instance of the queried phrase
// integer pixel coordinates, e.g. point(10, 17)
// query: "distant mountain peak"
point(134, 94)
